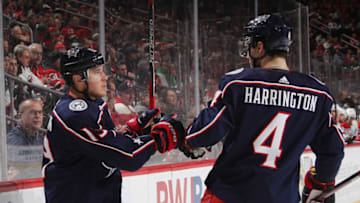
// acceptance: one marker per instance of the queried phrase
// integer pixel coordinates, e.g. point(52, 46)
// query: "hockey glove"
point(313, 188)
point(166, 133)
point(193, 153)
point(141, 124)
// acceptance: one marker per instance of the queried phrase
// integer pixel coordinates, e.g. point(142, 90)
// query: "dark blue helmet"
point(77, 61)
point(271, 29)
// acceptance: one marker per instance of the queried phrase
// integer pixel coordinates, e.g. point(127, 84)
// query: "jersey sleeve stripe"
point(99, 119)
point(270, 84)
point(339, 133)
point(89, 134)
point(144, 147)
point(131, 155)
point(192, 135)
point(103, 106)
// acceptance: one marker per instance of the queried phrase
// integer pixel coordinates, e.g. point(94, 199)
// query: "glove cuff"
point(312, 183)
point(133, 124)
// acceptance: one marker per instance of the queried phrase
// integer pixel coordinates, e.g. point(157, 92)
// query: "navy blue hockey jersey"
point(83, 153)
point(267, 117)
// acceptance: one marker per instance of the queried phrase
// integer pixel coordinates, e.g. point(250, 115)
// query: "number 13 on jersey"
point(275, 129)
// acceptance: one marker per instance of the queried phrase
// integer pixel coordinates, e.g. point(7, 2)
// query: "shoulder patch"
point(235, 71)
point(78, 105)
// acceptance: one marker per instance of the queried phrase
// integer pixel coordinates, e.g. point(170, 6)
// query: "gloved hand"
point(313, 188)
point(141, 124)
point(166, 133)
point(193, 153)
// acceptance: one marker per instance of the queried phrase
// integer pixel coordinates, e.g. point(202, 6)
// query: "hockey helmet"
point(351, 113)
point(77, 61)
point(271, 29)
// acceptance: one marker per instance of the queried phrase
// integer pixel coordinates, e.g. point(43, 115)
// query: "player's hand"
point(313, 188)
point(166, 133)
point(141, 124)
point(193, 153)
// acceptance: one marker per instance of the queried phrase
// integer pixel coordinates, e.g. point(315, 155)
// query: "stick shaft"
point(152, 100)
point(339, 186)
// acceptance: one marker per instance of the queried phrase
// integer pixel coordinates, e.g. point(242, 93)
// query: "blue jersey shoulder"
point(290, 78)
point(70, 109)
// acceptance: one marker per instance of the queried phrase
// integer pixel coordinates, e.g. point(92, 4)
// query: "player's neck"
point(274, 63)
point(75, 94)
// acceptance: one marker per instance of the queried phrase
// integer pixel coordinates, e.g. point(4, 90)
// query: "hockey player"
point(268, 115)
point(82, 151)
point(350, 126)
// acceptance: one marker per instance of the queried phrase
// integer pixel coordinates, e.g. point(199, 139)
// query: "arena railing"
point(326, 31)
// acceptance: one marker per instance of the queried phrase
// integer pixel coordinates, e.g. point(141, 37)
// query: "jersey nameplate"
point(78, 105)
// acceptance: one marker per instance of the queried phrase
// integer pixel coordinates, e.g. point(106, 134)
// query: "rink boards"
point(180, 182)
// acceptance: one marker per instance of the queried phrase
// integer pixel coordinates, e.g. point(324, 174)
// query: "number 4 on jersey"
point(274, 128)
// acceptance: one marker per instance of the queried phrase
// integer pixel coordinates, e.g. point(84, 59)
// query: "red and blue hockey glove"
point(313, 188)
point(141, 125)
point(193, 153)
point(166, 133)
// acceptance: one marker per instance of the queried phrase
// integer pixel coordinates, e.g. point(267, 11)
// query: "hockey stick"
point(338, 187)
point(151, 54)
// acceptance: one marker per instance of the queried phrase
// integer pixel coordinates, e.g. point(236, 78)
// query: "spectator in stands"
point(22, 54)
point(30, 118)
point(23, 57)
point(36, 51)
point(132, 59)
point(6, 47)
point(124, 110)
point(16, 36)
point(11, 65)
point(143, 104)
point(110, 95)
point(86, 42)
point(24, 142)
point(52, 72)
point(122, 74)
point(162, 74)
point(60, 47)
point(170, 103)
point(70, 29)
point(172, 77)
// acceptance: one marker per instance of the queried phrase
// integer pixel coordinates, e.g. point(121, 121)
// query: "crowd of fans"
point(36, 33)
point(335, 38)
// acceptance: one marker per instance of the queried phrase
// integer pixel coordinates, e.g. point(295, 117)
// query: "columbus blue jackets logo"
point(78, 105)
point(72, 52)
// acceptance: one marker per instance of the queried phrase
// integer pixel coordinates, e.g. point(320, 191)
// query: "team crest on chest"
point(78, 105)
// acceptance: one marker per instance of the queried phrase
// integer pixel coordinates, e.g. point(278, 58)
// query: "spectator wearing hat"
point(60, 48)
point(69, 30)
point(124, 110)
